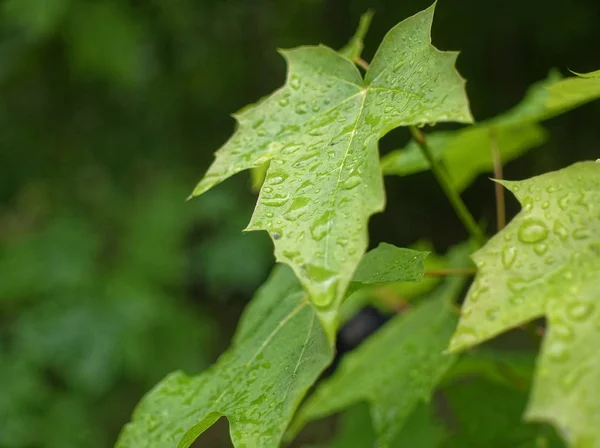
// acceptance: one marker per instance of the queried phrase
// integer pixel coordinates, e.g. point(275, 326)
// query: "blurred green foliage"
point(109, 113)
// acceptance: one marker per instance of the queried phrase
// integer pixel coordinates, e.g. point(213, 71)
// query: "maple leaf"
point(279, 350)
point(546, 263)
point(320, 131)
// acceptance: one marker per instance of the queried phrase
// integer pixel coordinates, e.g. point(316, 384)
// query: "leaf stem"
point(449, 272)
point(361, 62)
point(442, 177)
point(498, 175)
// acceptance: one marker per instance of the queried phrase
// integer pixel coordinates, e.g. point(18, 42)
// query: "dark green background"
point(110, 112)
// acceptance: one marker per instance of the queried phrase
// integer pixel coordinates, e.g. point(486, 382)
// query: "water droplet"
point(562, 331)
point(351, 182)
point(532, 231)
point(477, 290)
point(571, 379)
point(545, 205)
point(509, 255)
point(540, 249)
point(516, 300)
point(581, 234)
point(321, 226)
point(563, 202)
point(276, 178)
point(283, 102)
point(372, 119)
point(464, 337)
point(560, 230)
point(398, 66)
point(342, 241)
point(492, 314)
point(276, 235)
point(295, 83)
point(297, 208)
point(557, 351)
point(324, 284)
point(301, 108)
point(580, 311)
point(517, 285)
point(293, 255)
point(276, 200)
point(290, 149)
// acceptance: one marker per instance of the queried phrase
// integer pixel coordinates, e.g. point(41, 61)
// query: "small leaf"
point(388, 263)
point(395, 369)
point(554, 97)
point(546, 263)
point(320, 132)
point(466, 153)
point(353, 49)
point(277, 354)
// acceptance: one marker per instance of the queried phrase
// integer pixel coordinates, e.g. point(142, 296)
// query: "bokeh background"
point(110, 111)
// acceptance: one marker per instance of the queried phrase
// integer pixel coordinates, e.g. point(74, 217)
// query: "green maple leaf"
point(278, 351)
point(320, 131)
point(546, 263)
point(466, 153)
point(388, 264)
point(395, 369)
point(352, 50)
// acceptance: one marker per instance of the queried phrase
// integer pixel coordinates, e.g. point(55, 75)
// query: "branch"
point(361, 62)
point(455, 200)
point(498, 175)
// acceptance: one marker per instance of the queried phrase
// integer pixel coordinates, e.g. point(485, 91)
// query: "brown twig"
point(362, 63)
point(445, 182)
point(498, 175)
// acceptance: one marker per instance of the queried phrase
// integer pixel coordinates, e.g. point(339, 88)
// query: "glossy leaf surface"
point(394, 370)
point(466, 152)
point(277, 354)
point(546, 263)
point(320, 134)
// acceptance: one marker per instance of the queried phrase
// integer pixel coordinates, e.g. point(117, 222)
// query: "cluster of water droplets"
point(551, 244)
